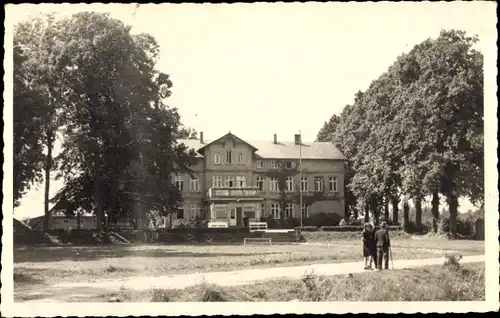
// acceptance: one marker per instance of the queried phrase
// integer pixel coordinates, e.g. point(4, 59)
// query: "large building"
point(234, 178)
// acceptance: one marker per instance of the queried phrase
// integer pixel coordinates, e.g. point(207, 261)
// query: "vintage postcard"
point(196, 159)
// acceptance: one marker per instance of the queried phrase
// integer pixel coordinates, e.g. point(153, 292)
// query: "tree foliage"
point(418, 129)
point(28, 116)
point(120, 138)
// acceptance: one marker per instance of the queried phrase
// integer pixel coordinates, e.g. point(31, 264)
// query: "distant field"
point(46, 265)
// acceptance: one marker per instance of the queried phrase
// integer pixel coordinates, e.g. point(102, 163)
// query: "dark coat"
point(369, 247)
point(382, 238)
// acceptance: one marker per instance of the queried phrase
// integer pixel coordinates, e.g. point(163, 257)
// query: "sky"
point(260, 69)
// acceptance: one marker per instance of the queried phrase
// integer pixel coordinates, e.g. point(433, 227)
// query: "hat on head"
point(384, 224)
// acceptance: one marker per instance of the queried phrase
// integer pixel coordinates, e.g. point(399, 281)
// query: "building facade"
point(235, 178)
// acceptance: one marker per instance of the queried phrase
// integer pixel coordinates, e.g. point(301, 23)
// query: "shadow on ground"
point(26, 279)
point(55, 254)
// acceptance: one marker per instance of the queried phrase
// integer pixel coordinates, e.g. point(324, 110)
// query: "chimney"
point(201, 136)
point(275, 138)
point(297, 139)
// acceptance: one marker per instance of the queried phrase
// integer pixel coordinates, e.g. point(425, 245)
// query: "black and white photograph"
point(193, 159)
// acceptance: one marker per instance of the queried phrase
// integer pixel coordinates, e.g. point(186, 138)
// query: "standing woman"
point(368, 240)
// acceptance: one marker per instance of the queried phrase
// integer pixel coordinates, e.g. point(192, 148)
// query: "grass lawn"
point(48, 265)
point(431, 283)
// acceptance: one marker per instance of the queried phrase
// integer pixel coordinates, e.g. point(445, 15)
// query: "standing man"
point(383, 244)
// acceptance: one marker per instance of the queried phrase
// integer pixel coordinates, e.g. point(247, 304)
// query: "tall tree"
point(120, 137)
point(29, 109)
point(188, 133)
point(327, 132)
point(39, 42)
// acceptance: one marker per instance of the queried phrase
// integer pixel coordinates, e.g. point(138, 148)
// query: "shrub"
point(207, 230)
point(324, 219)
point(189, 224)
point(213, 293)
point(465, 226)
point(159, 295)
point(271, 222)
point(452, 261)
point(306, 228)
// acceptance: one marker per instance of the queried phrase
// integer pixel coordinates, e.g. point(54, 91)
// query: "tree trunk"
point(406, 214)
point(386, 209)
point(435, 211)
point(78, 218)
point(375, 211)
point(367, 212)
point(97, 190)
point(395, 210)
point(453, 207)
point(418, 213)
point(48, 168)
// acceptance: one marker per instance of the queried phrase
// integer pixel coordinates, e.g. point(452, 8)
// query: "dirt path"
point(65, 292)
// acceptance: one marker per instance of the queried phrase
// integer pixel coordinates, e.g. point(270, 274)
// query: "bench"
point(257, 226)
point(218, 225)
point(257, 239)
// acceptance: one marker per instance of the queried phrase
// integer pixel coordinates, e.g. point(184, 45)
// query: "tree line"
point(416, 132)
point(87, 78)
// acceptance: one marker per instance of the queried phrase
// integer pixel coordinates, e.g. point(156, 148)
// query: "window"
point(194, 184)
point(333, 184)
point(217, 181)
point(275, 210)
point(228, 157)
point(274, 164)
point(241, 157)
point(318, 183)
point(229, 182)
point(305, 211)
point(288, 210)
point(289, 184)
point(180, 213)
point(260, 164)
point(220, 211)
point(304, 186)
point(273, 184)
point(241, 181)
point(195, 210)
point(179, 182)
point(217, 158)
point(260, 183)
point(262, 209)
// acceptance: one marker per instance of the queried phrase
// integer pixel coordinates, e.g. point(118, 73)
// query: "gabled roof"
point(228, 135)
point(267, 149)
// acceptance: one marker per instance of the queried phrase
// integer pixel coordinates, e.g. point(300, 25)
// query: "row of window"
point(240, 182)
point(229, 158)
point(275, 210)
point(229, 182)
point(194, 209)
point(304, 184)
point(274, 164)
point(194, 183)
point(260, 164)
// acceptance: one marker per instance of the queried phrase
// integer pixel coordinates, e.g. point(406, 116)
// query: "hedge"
point(306, 228)
point(344, 228)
